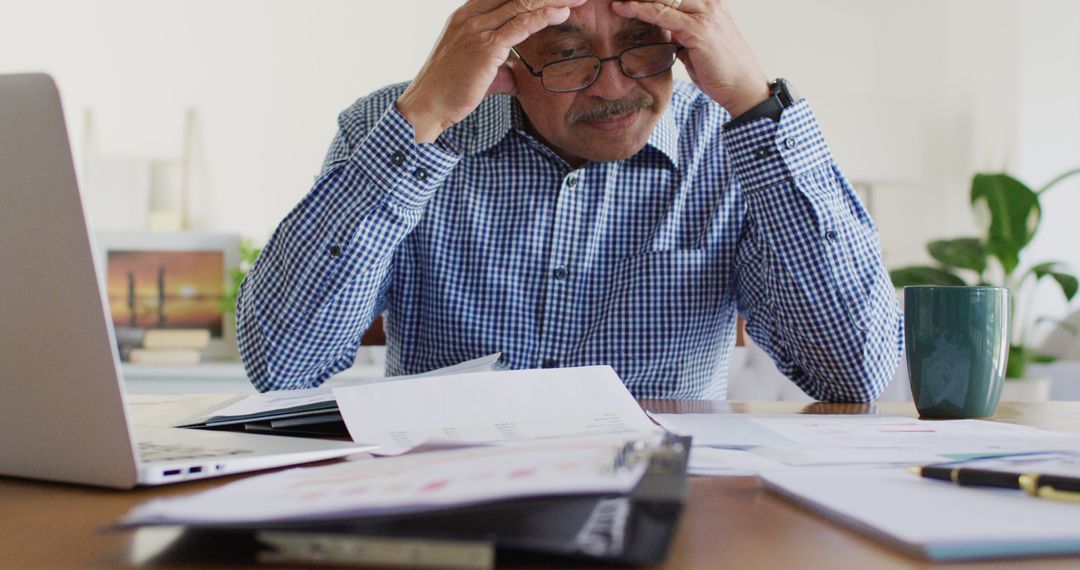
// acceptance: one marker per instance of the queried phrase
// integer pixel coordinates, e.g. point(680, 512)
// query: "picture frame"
point(170, 279)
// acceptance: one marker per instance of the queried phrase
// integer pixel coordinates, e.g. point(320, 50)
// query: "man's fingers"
point(524, 25)
point(510, 10)
point(686, 6)
point(655, 12)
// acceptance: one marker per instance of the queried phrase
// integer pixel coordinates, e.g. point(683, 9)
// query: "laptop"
point(62, 410)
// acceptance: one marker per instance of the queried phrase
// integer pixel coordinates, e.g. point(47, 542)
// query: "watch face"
point(787, 93)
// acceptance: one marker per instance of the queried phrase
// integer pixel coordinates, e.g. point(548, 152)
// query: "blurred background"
point(235, 101)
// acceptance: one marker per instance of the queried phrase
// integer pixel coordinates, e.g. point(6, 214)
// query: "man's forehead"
point(572, 28)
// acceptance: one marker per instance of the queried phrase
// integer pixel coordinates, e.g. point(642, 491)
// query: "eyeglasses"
point(577, 73)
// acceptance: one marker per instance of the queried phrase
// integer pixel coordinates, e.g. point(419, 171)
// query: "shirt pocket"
point(661, 307)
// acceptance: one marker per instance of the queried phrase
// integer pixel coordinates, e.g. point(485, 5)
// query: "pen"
point(1055, 487)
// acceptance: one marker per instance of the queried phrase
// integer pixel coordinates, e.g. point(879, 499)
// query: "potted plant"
point(249, 252)
point(1010, 211)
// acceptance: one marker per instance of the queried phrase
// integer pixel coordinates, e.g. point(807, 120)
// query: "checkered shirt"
point(486, 241)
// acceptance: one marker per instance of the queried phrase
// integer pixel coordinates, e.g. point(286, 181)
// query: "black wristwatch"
point(782, 96)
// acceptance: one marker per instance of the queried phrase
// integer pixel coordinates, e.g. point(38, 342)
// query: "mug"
point(957, 342)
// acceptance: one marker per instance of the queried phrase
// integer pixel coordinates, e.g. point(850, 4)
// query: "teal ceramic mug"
point(957, 341)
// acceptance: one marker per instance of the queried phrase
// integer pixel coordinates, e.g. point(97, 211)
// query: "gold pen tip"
point(915, 470)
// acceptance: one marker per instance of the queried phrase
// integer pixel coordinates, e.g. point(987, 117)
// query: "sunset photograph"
point(166, 289)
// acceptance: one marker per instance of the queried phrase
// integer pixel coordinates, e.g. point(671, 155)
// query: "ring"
point(675, 4)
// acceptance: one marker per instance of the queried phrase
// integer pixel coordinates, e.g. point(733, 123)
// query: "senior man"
point(544, 188)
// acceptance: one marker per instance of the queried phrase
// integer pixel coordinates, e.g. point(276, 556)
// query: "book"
point(162, 338)
point(170, 356)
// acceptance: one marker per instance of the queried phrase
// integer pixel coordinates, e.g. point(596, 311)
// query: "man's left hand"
point(717, 57)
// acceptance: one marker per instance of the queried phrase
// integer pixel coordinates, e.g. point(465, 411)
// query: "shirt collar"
point(499, 115)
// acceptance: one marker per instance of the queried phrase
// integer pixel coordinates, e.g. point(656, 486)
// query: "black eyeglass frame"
point(600, 63)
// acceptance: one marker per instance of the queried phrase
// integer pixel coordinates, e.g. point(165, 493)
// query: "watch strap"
point(781, 97)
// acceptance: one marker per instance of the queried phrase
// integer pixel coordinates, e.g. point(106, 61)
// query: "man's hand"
point(468, 62)
point(718, 58)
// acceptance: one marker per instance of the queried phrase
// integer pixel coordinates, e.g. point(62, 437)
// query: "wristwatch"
point(782, 96)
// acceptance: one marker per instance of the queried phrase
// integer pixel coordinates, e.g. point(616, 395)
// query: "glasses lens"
point(644, 61)
point(570, 74)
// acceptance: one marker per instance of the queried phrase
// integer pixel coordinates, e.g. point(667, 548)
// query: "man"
point(543, 188)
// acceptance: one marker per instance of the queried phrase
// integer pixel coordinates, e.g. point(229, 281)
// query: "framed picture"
point(163, 280)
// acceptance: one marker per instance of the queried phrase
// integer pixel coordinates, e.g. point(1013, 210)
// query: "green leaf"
point(965, 253)
point(1066, 281)
point(1068, 284)
point(923, 275)
point(1043, 358)
point(1014, 215)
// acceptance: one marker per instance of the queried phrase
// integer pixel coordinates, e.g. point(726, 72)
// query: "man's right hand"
point(468, 62)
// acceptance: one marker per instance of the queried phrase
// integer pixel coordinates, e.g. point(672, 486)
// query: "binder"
point(634, 529)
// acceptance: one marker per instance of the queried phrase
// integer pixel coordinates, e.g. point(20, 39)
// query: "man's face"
point(613, 118)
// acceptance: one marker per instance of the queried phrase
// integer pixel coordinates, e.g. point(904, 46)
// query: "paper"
point(815, 440)
point(409, 483)
point(510, 405)
point(718, 462)
point(285, 399)
point(935, 519)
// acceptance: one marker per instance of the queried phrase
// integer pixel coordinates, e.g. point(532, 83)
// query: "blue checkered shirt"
point(486, 241)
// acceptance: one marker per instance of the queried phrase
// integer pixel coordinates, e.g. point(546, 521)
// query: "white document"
point(861, 431)
point(409, 483)
point(510, 405)
point(720, 462)
point(934, 519)
point(809, 440)
point(285, 399)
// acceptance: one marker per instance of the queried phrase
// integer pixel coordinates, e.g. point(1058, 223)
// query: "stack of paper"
point(566, 431)
point(760, 443)
point(406, 484)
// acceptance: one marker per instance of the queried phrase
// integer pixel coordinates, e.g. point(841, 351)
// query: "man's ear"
point(504, 82)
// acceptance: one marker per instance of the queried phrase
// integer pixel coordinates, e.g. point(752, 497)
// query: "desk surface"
point(728, 522)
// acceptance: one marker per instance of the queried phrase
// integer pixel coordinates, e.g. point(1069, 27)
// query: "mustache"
point(609, 109)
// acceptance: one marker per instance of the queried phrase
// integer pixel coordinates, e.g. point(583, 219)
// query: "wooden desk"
point(727, 523)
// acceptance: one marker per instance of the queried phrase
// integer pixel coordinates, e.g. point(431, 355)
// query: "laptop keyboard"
point(150, 451)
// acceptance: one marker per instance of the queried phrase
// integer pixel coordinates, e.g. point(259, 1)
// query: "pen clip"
point(1030, 483)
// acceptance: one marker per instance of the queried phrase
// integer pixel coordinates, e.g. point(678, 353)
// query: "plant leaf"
point(1042, 358)
point(923, 275)
point(965, 253)
point(1068, 284)
point(1014, 215)
point(1066, 281)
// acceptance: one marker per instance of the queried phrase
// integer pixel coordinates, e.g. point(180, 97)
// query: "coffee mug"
point(957, 348)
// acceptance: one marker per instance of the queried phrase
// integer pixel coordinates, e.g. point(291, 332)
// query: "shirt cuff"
point(407, 172)
point(765, 152)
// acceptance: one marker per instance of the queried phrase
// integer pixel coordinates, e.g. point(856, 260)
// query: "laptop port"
point(194, 469)
point(171, 472)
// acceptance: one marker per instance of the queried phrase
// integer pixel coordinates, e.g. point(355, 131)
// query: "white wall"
point(914, 96)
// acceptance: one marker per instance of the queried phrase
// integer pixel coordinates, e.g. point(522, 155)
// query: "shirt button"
point(571, 182)
point(559, 273)
point(335, 250)
point(830, 235)
point(790, 143)
point(550, 363)
point(398, 158)
point(420, 174)
point(762, 152)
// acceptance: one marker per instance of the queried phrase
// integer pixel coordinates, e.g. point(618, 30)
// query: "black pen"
point(1055, 487)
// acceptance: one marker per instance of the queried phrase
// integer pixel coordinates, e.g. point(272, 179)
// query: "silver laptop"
point(62, 412)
